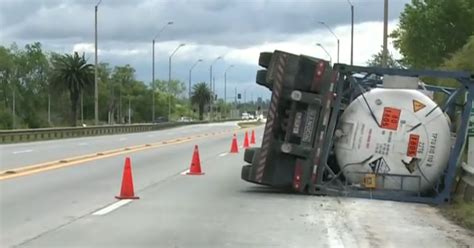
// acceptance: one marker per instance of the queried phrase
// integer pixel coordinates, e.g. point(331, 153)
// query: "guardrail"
point(26, 135)
point(465, 187)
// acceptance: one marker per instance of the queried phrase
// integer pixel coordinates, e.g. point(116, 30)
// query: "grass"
point(460, 212)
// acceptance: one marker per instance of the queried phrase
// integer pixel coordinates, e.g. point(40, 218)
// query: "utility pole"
point(96, 88)
point(49, 107)
point(129, 111)
point(153, 86)
point(14, 110)
point(214, 87)
point(385, 34)
point(337, 38)
point(225, 82)
point(324, 49)
point(190, 74)
point(82, 108)
point(153, 81)
point(352, 32)
point(169, 79)
point(210, 86)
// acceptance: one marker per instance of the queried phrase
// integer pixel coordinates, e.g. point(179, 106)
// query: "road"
point(70, 207)
point(21, 154)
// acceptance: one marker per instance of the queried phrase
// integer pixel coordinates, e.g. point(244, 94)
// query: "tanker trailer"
point(335, 130)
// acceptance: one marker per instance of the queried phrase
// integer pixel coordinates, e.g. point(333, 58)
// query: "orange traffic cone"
point(246, 140)
point(195, 168)
point(127, 182)
point(252, 137)
point(234, 148)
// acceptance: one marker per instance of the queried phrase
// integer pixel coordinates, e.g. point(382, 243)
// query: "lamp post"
point(190, 71)
point(330, 58)
point(169, 79)
point(385, 35)
point(96, 88)
point(153, 69)
point(225, 82)
point(352, 31)
point(330, 30)
point(210, 84)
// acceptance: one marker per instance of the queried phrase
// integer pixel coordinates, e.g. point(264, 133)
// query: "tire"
point(264, 59)
point(245, 174)
point(261, 79)
point(249, 154)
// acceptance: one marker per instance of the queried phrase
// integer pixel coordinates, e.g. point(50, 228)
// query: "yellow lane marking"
point(37, 168)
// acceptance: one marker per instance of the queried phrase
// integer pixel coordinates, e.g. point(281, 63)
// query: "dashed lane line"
point(37, 168)
point(112, 207)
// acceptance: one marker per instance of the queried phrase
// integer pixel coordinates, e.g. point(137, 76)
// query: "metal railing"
point(465, 187)
point(27, 135)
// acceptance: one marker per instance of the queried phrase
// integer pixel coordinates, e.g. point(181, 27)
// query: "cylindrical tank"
point(406, 141)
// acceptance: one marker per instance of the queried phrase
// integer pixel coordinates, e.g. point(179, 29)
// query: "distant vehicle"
point(245, 116)
point(161, 119)
point(185, 119)
point(251, 117)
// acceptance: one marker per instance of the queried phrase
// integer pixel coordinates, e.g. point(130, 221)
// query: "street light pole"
point(225, 82)
point(169, 79)
point(153, 69)
point(14, 109)
point(96, 88)
point(330, 30)
point(330, 58)
point(190, 71)
point(210, 85)
point(352, 31)
point(385, 31)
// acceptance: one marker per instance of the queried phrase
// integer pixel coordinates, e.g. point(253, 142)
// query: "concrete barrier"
point(465, 188)
point(27, 135)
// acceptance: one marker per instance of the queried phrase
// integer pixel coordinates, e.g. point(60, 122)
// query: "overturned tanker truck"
point(359, 131)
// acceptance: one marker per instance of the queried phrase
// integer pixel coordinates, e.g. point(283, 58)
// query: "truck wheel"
point(261, 79)
point(264, 59)
point(249, 153)
point(245, 174)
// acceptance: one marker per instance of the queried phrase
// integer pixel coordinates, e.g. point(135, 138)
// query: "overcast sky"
point(238, 30)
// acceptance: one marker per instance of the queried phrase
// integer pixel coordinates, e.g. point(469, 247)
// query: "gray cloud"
point(130, 24)
point(217, 22)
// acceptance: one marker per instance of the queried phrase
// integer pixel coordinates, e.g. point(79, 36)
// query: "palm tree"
point(201, 96)
point(74, 74)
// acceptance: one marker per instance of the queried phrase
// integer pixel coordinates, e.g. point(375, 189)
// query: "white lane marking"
point(82, 144)
point(112, 207)
point(185, 172)
point(122, 139)
point(22, 151)
point(223, 154)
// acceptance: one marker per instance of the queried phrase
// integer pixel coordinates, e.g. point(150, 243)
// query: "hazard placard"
point(390, 118)
point(413, 142)
point(417, 106)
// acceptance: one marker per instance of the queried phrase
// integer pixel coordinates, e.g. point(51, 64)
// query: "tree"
point(462, 60)
point(431, 30)
point(176, 87)
point(72, 72)
point(201, 96)
point(376, 60)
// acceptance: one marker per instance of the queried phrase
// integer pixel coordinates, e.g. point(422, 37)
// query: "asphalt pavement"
point(75, 207)
point(22, 154)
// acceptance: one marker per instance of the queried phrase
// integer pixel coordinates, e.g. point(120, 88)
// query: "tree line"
point(47, 89)
point(433, 34)
point(36, 92)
